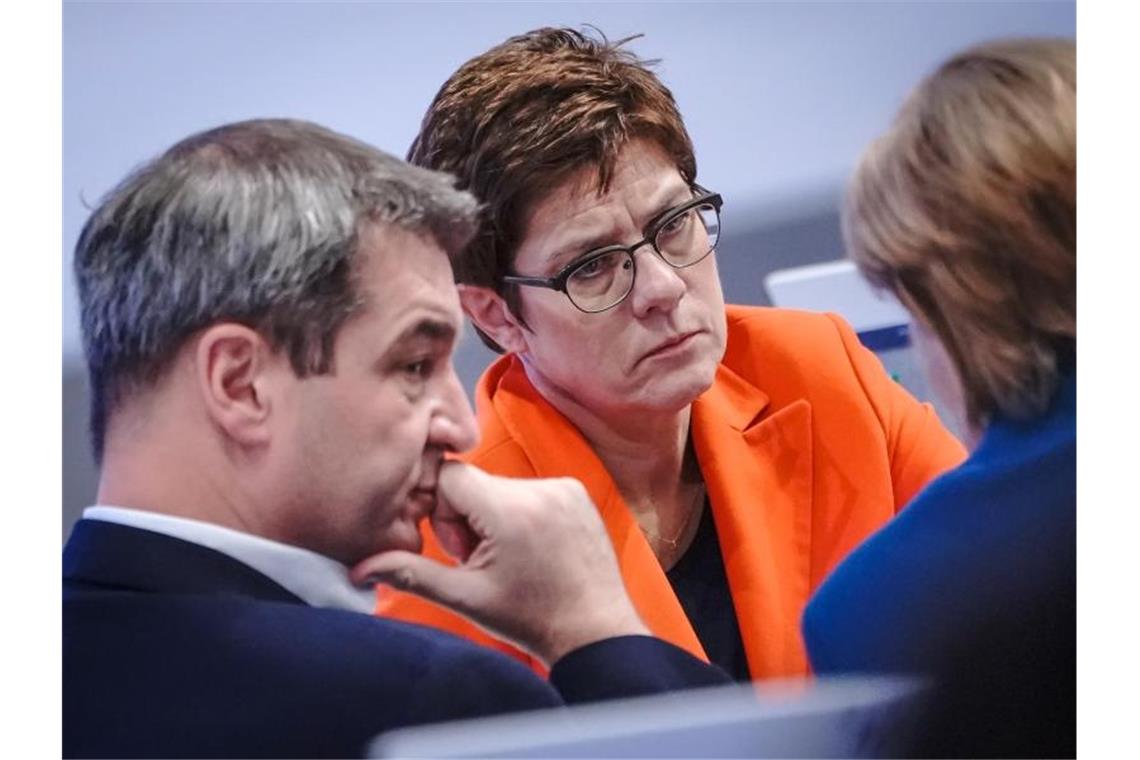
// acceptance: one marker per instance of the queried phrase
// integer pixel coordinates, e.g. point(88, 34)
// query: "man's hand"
point(536, 565)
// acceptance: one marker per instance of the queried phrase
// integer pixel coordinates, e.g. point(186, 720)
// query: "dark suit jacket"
point(975, 585)
point(174, 649)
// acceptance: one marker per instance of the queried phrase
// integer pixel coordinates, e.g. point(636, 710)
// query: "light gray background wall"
point(779, 98)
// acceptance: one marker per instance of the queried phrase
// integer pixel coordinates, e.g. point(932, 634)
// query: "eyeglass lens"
point(605, 280)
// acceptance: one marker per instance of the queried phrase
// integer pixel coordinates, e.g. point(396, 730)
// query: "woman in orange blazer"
point(736, 454)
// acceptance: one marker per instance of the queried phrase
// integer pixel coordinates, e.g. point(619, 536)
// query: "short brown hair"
point(967, 211)
point(521, 118)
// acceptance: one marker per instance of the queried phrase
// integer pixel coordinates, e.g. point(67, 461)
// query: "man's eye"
point(418, 369)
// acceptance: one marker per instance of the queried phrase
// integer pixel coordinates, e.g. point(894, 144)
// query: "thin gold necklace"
point(693, 510)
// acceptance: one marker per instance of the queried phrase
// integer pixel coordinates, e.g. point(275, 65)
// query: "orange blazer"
point(806, 447)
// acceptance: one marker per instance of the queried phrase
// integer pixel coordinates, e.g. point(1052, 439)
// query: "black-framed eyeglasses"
point(601, 279)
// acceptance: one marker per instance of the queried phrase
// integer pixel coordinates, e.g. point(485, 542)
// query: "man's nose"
point(453, 428)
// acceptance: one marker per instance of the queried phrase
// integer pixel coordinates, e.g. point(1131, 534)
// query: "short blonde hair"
point(966, 211)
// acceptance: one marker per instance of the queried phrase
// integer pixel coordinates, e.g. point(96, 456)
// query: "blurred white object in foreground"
point(846, 717)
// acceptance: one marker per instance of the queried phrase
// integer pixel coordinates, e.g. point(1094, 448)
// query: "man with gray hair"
point(268, 318)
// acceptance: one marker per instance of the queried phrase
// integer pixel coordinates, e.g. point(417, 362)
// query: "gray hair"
point(255, 222)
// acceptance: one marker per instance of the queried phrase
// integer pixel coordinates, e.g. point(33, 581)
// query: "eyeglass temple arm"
point(539, 281)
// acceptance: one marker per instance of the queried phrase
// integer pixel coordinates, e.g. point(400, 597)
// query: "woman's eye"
point(589, 268)
point(597, 266)
point(675, 225)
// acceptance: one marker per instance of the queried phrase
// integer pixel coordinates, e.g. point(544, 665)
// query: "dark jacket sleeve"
point(462, 681)
point(630, 666)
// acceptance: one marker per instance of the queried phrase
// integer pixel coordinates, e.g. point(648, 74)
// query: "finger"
point(465, 491)
point(406, 571)
point(455, 536)
point(465, 481)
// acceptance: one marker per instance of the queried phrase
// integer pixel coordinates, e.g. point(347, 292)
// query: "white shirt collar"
point(316, 579)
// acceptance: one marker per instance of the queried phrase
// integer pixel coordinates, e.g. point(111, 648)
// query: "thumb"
point(466, 491)
point(416, 574)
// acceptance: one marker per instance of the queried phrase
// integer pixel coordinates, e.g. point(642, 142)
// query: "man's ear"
point(234, 367)
point(490, 313)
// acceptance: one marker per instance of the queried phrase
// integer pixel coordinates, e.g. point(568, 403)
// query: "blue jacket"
point(973, 585)
point(174, 649)
point(997, 530)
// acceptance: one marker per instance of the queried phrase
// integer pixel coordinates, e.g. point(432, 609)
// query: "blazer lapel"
point(556, 449)
point(758, 471)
